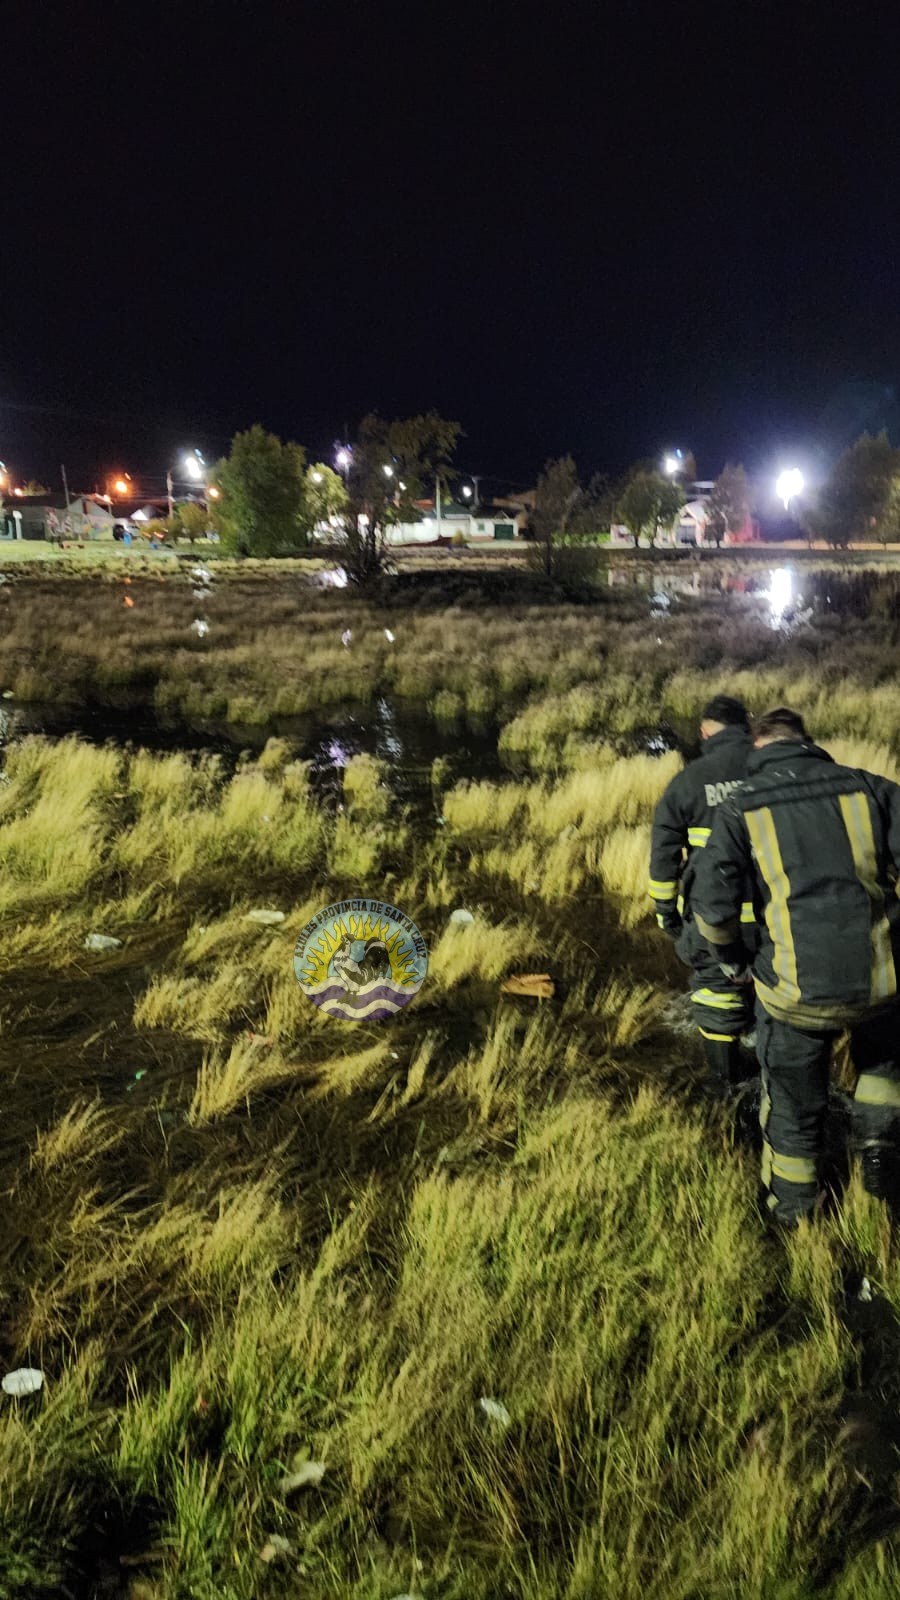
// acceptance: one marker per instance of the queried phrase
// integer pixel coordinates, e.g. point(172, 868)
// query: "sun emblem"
point(360, 959)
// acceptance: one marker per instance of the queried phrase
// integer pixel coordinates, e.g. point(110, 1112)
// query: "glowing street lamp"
point(343, 458)
point(467, 491)
point(120, 486)
point(673, 463)
point(789, 485)
point(194, 466)
point(212, 493)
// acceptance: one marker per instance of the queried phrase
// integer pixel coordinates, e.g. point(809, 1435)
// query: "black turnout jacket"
point(684, 818)
point(822, 844)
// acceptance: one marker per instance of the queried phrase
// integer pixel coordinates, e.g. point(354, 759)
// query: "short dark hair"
point(780, 723)
point(724, 708)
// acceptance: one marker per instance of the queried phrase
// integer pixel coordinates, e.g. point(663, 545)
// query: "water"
point(406, 739)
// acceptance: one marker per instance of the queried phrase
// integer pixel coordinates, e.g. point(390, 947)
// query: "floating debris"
point(25, 1380)
point(496, 1411)
point(102, 941)
point(265, 916)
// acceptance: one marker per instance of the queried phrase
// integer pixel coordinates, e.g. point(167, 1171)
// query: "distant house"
point(55, 517)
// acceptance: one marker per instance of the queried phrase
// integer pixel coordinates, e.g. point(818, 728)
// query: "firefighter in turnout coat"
point(723, 1009)
point(822, 842)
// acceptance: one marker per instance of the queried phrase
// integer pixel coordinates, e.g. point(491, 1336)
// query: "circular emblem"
point(360, 960)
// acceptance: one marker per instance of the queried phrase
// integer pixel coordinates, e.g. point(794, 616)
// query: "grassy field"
point(273, 1266)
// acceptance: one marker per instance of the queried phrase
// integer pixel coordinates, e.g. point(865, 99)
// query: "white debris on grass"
point(265, 916)
point(102, 941)
point(25, 1380)
point(388, 635)
point(200, 627)
point(461, 918)
point(865, 1290)
point(201, 574)
point(275, 1546)
point(305, 1476)
point(346, 636)
point(496, 1411)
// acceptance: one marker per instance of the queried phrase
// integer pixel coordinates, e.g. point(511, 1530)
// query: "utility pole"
point(476, 479)
point(65, 482)
point(170, 491)
point(437, 502)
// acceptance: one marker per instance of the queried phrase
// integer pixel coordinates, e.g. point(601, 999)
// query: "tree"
point(191, 521)
point(557, 500)
point(392, 465)
point(729, 503)
point(859, 499)
point(32, 487)
point(326, 497)
point(261, 509)
point(648, 501)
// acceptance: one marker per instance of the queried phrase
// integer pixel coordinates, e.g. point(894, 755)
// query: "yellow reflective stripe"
point(766, 1164)
point(793, 1169)
point(662, 891)
point(727, 1038)
point(873, 1090)
point(807, 1016)
point(747, 912)
point(857, 821)
point(720, 1000)
point(761, 827)
point(697, 837)
point(723, 933)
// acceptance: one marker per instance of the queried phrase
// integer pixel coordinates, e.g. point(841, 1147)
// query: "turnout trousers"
point(794, 1064)
point(722, 1009)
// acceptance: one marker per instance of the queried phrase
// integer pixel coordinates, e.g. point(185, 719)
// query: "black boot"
point(880, 1164)
point(724, 1067)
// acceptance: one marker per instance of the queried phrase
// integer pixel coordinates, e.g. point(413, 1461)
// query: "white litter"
point(865, 1290)
point(388, 635)
point(102, 941)
point(306, 1476)
point(200, 627)
point(265, 916)
point(8, 694)
point(461, 918)
point(201, 574)
point(25, 1380)
point(275, 1546)
point(346, 636)
point(200, 594)
point(496, 1410)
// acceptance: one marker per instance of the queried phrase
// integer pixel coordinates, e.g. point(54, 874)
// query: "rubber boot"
point(880, 1163)
point(724, 1067)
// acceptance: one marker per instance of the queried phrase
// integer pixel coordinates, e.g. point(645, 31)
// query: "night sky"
point(598, 228)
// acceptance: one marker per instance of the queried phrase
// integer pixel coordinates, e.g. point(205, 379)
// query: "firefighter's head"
point(723, 711)
point(780, 723)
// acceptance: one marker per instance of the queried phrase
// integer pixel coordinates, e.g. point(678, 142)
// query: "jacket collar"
point(785, 753)
point(728, 735)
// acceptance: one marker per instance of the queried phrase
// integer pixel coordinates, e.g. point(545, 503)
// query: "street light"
point(194, 465)
point(212, 493)
point(673, 463)
point(467, 492)
point(343, 458)
point(388, 471)
point(120, 486)
point(789, 485)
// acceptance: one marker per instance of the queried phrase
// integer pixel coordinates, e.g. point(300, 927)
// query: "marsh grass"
point(290, 1239)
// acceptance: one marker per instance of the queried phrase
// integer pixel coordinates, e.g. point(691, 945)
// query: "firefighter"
point(823, 845)
point(723, 1010)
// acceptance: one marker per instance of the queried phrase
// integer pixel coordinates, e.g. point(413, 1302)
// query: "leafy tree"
point(191, 521)
point(261, 509)
point(326, 496)
point(392, 464)
point(729, 503)
point(859, 498)
point(32, 487)
point(648, 501)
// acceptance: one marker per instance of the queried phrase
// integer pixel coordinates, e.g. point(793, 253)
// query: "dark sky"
point(590, 227)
